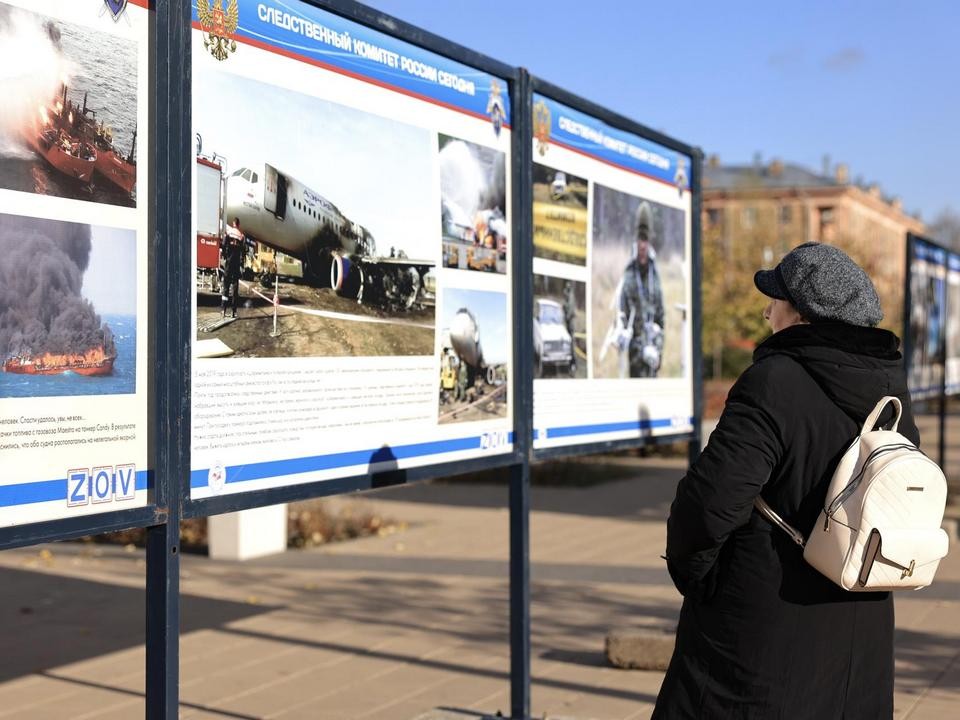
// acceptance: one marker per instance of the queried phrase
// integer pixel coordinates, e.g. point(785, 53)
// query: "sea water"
point(122, 381)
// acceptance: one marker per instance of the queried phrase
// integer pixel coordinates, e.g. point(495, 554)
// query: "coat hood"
point(855, 366)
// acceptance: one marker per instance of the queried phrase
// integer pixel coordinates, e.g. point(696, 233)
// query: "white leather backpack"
point(880, 526)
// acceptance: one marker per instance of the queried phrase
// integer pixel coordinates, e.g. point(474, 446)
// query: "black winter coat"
point(761, 633)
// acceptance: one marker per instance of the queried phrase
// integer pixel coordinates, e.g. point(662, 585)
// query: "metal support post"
point(696, 281)
point(942, 440)
point(520, 591)
point(171, 285)
point(163, 619)
point(522, 288)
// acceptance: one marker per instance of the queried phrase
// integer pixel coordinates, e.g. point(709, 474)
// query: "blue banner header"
point(931, 253)
point(554, 122)
point(302, 31)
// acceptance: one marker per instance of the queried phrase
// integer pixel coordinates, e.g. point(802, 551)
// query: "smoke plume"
point(41, 276)
point(32, 69)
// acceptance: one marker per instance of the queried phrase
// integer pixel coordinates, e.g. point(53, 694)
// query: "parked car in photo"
point(552, 344)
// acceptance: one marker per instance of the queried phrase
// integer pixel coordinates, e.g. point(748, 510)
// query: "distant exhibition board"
point(934, 319)
point(612, 282)
point(351, 207)
point(74, 253)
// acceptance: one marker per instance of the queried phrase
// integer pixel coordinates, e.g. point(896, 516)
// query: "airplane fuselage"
point(465, 338)
point(280, 211)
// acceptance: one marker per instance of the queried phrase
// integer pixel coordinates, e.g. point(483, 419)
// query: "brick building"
point(759, 212)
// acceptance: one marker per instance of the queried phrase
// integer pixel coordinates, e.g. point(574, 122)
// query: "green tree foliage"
point(732, 307)
point(945, 229)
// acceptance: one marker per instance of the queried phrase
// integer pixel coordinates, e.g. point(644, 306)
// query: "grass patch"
point(309, 523)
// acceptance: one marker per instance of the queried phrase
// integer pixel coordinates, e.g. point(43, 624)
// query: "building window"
point(748, 217)
point(714, 217)
point(827, 229)
point(786, 214)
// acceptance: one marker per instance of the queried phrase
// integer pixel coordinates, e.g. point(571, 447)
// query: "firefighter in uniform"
point(232, 251)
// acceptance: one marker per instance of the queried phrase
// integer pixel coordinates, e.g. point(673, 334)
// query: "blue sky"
point(350, 157)
point(110, 281)
point(871, 84)
point(490, 311)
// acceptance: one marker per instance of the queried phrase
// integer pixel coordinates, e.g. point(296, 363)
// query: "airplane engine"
point(346, 277)
point(319, 266)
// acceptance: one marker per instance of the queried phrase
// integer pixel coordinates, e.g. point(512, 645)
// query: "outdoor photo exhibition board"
point(612, 325)
point(351, 216)
point(953, 324)
point(934, 311)
point(74, 255)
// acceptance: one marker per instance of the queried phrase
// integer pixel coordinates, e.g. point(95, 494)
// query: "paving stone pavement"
point(405, 626)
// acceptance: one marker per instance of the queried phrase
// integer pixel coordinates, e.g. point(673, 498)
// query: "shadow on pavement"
point(645, 494)
point(922, 658)
point(445, 666)
point(51, 620)
point(133, 693)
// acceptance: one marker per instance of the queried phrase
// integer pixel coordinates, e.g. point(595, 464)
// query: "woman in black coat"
point(761, 633)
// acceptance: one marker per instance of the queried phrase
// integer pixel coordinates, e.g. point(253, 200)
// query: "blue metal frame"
point(515, 462)
point(695, 154)
point(171, 278)
point(907, 341)
point(521, 101)
point(170, 58)
point(152, 513)
point(360, 482)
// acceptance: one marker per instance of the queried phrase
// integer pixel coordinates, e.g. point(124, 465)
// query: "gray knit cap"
point(823, 284)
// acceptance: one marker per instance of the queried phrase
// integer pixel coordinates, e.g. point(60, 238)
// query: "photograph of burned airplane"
point(473, 356)
point(473, 206)
point(300, 252)
point(69, 122)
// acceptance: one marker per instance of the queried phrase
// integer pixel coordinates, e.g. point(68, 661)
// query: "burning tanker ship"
point(47, 326)
point(69, 137)
point(96, 361)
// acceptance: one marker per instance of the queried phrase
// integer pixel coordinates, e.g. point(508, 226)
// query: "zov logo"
point(494, 440)
point(101, 484)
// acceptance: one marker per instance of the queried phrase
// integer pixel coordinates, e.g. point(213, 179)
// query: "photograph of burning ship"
point(68, 123)
point(55, 280)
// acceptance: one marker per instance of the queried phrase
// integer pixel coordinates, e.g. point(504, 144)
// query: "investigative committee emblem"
point(116, 8)
point(680, 178)
point(216, 478)
point(218, 26)
point(495, 108)
point(541, 126)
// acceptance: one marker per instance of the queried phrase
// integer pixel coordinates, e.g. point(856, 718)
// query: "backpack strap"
point(770, 514)
point(878, 411)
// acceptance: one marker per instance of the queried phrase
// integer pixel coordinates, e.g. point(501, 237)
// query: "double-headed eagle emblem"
point(218, 25)
point(541, 126)
point(495, 109)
